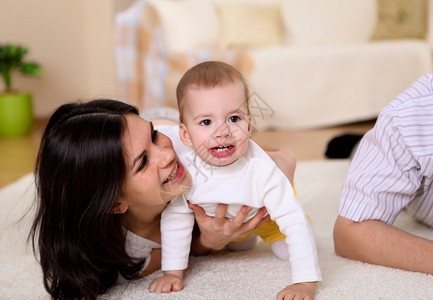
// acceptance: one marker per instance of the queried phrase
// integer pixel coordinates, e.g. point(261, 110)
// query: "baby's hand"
point(166, 284)
point(303, 290)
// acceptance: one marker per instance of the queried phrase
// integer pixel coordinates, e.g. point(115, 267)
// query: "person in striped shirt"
point(392, 170)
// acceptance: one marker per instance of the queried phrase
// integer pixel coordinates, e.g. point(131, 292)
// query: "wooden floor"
point(18, 155)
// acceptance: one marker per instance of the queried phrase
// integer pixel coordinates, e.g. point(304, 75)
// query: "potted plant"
point(16, 112)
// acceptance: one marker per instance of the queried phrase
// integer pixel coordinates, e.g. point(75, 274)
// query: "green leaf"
point(31, 69)
point(12, 59)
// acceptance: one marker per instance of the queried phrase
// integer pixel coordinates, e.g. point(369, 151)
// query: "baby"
point(227, 167)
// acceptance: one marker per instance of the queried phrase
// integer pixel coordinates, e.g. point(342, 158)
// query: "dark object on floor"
point(342, 146)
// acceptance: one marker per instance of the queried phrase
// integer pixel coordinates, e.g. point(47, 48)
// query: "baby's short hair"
point(208, 75)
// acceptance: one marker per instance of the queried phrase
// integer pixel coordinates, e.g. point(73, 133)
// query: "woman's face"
point(154, 173)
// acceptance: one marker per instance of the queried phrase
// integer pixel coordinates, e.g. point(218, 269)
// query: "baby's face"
point(216, 123)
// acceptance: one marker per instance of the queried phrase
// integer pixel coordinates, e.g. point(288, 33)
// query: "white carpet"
point(254, 274)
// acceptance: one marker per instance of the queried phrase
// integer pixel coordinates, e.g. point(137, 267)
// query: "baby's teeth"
point(223, 148)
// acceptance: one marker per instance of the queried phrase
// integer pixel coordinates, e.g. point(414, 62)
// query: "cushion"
point(245, 25)
point(318, 22)
point(401, 19)
point(188, 24)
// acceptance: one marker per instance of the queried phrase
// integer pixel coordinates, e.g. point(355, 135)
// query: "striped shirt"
point(393, 166)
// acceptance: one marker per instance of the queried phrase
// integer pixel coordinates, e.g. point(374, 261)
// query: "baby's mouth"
point(222, 148)
point(222, 151)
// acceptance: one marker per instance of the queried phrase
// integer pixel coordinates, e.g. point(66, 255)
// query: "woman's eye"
point(154, 135)
point(205, 122)
point(234, 119)
point(142, 163)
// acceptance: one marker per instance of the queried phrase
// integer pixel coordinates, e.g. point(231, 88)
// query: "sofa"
point(309, 63)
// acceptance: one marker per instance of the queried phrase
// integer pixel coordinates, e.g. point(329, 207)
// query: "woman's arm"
point(213, 233)
point(375, 242)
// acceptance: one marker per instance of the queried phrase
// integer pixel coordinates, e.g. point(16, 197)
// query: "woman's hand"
point(216, 232)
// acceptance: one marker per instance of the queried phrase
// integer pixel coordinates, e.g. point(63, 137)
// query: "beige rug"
point(254, 274)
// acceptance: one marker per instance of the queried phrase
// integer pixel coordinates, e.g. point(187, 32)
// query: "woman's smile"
point(176, 175)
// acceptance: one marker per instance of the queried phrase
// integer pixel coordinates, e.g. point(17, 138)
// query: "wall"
point(120, 5)
point(72, 40)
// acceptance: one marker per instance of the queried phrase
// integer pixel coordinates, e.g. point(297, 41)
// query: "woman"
point(103, 177)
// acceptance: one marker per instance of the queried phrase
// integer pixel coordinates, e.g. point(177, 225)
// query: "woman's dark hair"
point(80, 171)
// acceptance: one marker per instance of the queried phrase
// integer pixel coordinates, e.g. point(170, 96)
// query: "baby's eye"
point(234, 119)
point(206, 122)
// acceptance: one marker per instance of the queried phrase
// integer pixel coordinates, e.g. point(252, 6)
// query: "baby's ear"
point(184, 135)
point(249, 126)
